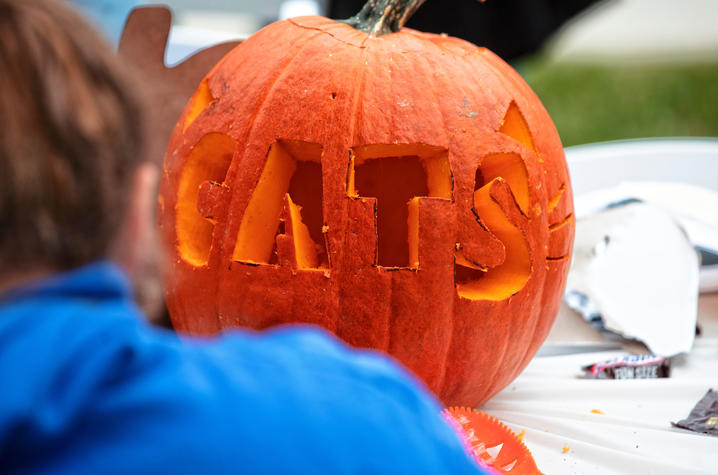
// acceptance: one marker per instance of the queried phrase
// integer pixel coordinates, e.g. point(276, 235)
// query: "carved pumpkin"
point(406, 191)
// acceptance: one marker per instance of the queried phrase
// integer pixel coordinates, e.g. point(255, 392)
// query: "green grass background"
point(593, 103)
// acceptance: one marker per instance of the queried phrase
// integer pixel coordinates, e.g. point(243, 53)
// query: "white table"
point(630, 430)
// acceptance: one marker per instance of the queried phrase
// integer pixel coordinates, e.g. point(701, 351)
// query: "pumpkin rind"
point(316, 81)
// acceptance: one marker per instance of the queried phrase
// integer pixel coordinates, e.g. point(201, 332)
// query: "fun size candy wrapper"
point(630, 367)
point(704, 416)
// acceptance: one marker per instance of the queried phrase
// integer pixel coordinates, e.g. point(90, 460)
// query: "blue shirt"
point(88, 387)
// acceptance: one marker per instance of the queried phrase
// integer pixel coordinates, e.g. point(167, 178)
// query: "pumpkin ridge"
point(356, 103)
point(528, 351)
point(449, 342)
point(270, 86)
point(358, 92)
point(392, 315)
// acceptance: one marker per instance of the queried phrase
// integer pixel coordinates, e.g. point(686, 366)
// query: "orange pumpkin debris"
point(492, 443)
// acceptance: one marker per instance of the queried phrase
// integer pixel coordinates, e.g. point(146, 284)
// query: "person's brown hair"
point(70, 138)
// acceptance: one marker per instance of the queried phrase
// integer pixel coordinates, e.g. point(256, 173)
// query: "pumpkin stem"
point(381, 17)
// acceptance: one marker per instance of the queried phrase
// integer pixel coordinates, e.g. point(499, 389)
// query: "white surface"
point(642, 30)
point(187, 40)
point(633, 432)
point(604, 165)
point(196, 29)
point(295, 8)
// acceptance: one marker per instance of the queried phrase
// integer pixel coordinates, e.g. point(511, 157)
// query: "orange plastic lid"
point(492, 444)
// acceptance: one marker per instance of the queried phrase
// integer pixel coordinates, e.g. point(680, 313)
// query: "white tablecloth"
point(581, 426)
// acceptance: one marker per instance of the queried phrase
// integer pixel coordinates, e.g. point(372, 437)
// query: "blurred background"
point(604, 69)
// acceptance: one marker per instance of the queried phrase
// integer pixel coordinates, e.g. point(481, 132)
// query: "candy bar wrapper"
point(704, 416)
point(630, 367)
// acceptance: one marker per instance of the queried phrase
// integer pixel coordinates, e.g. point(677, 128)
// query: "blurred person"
point(88, 385)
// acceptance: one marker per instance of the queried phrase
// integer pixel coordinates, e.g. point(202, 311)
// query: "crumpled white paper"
point(636, 273)
point(694, 207)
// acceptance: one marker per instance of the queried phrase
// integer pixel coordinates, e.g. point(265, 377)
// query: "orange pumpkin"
point(406, 191)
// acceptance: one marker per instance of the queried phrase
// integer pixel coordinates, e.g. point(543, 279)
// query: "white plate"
point(607, 164)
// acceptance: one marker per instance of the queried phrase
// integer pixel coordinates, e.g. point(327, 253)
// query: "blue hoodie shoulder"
point(96, 390)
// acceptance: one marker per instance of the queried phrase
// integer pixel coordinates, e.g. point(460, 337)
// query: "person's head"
point(74, 187)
